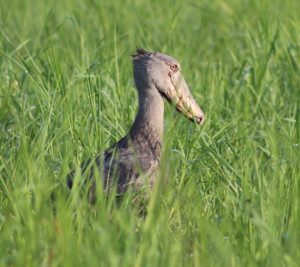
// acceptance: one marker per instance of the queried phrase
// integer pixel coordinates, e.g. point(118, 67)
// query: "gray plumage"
point(134, 160)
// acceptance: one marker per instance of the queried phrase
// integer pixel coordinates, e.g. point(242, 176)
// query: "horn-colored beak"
point(185, 103)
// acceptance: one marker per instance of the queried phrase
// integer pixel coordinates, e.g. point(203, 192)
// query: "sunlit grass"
point(66, 93)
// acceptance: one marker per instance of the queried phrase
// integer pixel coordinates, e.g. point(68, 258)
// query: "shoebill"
point(134, 160)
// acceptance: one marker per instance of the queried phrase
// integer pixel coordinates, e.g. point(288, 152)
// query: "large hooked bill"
point(185, 102)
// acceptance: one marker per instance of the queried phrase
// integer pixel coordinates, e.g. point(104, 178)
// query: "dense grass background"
point(66, 93)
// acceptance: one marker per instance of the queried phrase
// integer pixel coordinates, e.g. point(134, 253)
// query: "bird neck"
point(147, 129)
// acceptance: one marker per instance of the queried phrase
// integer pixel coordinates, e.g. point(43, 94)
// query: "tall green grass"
point(67, 93)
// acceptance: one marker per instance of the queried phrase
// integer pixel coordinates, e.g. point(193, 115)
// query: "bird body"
point(134, 160)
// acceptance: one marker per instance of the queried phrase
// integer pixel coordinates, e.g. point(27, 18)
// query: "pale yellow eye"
point(174, 67)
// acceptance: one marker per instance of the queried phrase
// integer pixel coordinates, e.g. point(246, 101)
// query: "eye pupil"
point(174, 67)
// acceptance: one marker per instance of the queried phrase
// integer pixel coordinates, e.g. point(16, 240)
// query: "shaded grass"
point(66, 93)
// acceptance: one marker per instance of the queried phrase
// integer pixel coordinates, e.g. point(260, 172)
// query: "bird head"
point(163, 73)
